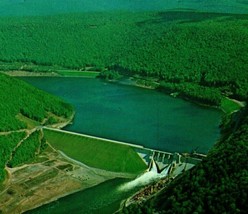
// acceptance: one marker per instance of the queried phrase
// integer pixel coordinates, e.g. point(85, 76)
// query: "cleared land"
point(48, 178)
point(97, 153)
point(21, 73)
point(74, 73)
point(229, 105)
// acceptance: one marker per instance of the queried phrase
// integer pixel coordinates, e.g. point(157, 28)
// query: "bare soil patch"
point(19, 73)
point(48, 178)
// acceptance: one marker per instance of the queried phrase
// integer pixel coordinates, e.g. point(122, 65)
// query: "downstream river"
point(129, 114)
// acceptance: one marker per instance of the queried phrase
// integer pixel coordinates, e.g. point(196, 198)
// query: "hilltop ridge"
point(50, 7)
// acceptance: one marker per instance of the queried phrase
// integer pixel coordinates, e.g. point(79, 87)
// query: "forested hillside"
point(51, 7)
point(219, 184)
point(18, 101)
point(7, 145)
point(185, 48)
point(22, 106)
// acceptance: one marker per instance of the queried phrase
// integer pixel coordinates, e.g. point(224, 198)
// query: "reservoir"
point(129, 114)
point(134, 115)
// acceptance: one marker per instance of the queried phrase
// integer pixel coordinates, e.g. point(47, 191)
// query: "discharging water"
point(146, 178)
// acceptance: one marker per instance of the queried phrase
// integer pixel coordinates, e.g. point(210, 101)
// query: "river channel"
point(129, 114)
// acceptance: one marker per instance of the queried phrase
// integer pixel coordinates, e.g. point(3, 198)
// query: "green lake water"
point(135, 115)
point(129, 114)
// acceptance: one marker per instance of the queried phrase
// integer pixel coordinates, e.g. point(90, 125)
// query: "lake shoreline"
point(20, 73)
point(133, 81)
point(154, 85)
point(58, 73)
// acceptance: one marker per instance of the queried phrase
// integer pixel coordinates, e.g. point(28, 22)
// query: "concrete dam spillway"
point(157, 162)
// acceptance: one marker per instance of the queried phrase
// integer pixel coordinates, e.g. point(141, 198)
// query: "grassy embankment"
point(229, 106)
point(97, 153)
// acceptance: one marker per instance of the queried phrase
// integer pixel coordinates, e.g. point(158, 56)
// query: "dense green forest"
point(219, 184)
point(19, 98)
point(27, 150)
point(7, 145)
point(182, 49)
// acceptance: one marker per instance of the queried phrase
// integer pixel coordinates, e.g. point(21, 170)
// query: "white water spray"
point(146, 178)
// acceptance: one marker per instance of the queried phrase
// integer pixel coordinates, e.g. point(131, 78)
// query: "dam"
point(162, 159)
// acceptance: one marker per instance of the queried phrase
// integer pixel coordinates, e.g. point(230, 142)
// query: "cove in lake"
point(128, 114)
point(134, 115)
